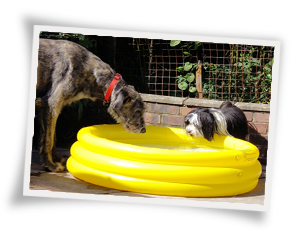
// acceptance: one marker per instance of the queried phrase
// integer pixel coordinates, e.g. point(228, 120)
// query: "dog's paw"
point(57, 167)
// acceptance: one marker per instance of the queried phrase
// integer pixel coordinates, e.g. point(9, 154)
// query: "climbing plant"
point(245, 76)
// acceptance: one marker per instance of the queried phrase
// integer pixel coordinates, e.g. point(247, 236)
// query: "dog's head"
point(127, 108)
point(205, 122)
point(200, 123)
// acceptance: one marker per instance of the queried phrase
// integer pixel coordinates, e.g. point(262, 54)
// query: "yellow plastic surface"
point(164, 161)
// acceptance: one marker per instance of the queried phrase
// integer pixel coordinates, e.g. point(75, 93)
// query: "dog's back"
point(59, 58)
point(236, 121)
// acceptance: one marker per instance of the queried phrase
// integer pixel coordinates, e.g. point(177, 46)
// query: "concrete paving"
point(65, 182)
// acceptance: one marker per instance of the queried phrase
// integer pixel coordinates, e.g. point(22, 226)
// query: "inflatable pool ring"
point(164, 161)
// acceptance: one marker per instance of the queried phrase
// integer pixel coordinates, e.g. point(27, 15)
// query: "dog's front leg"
point(48, 153)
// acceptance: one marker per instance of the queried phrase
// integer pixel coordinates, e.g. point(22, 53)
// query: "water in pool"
point(184, 147)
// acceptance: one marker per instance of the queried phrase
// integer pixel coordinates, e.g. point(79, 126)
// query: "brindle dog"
point(67, 72)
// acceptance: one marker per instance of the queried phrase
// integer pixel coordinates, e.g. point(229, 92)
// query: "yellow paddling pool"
point(164, 161)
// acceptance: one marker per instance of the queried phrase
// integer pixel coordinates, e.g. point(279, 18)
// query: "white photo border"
point(137, 34)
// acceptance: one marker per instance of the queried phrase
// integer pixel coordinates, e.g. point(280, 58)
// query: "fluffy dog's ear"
point(186, 119)
point(220, 123)
point(207, 128)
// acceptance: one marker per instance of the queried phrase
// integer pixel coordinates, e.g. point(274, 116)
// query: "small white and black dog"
point(227, 120)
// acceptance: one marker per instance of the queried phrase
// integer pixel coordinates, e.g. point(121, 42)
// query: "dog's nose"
point(143, 130)
point(189, 132)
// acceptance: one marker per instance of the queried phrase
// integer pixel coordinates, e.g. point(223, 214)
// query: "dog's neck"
point(111, 87)
point(108, 92)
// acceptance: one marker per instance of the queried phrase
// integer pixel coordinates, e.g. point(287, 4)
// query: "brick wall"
point(170, 111)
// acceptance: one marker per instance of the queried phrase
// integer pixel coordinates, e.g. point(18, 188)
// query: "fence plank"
point(199, 81)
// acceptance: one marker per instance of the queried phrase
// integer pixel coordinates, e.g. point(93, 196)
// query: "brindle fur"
point(67, 72)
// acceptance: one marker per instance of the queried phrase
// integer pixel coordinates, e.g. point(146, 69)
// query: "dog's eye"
point(187, 121)
point(137, 112)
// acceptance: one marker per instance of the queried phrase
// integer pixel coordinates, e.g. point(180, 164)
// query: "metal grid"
point(159, 62)
point(241, 73)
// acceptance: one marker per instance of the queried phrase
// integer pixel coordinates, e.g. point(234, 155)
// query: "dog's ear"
point(220, 123)
point(207, 129)
point(187, 119)
point(122, 99)
point(132, 87)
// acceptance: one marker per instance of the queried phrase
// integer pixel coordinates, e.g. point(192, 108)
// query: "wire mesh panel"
point(241, 73)
point(159, 63)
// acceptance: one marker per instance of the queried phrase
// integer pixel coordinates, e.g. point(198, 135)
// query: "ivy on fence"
point(244, 75)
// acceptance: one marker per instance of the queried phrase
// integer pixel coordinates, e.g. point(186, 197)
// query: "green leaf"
point(180, 78)
point(190, 77)
point(187, 53)
point(188, 66)
point(182, 86)
point(269, 76)
point(267, 69)
point(192, 89)
point(197, 44)
point(174, 42)
point(180, 69)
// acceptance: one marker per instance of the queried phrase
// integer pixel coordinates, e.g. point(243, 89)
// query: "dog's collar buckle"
point(105, 103)
point(110, 89)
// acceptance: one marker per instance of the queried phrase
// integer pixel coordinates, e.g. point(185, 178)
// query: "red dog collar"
point(111, 87)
